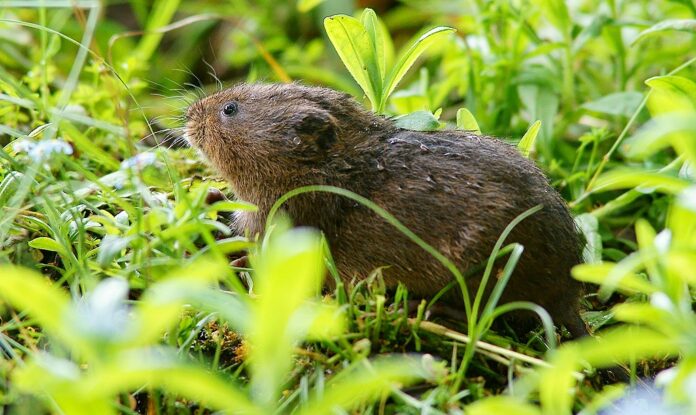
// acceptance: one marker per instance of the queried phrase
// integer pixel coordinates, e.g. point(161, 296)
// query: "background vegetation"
point(116, 292)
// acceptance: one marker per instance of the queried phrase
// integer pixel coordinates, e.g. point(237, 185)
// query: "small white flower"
point(42, 150)
point(687, 198)
point(23, 146)
point(665, 377)
point(663, 241)
point(103, 313)
point(661, 301)
point(139, 161)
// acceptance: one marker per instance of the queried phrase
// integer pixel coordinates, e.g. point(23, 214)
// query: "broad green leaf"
point(155, 368)
point(232, 206)
point(645, 234)
point(28, 291)
point(619, 103)
point(557, 382)
point(556, 12)
point(600, 273)
point(408, 57)
point(466, 121)
point(354, 46)
point(589, 226)
point(528, 142)
point(418, 121)
point(671, 94)
point(682, 264)
point(681, 219)
point(593, 30)
point(677, 130)
point(111, 246)
point(288, 269)
point(640, 313)
point(233, 244)
point(684, 25)
point(161, 304)
point(48, 244)
point(501, 405)
point(303, 6)
point(318, 321)
point(368, 381)
point(630, 178)
point(615, 346)
point(625, 343)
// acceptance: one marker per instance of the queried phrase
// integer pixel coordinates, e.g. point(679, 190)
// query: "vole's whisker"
point(213, 75)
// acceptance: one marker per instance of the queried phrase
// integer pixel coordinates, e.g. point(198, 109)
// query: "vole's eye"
point(230, 108)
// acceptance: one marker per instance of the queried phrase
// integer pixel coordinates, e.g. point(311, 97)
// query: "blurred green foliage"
point(117, 296)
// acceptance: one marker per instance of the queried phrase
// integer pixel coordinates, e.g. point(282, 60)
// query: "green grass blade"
point(372, 25)
point(528, 142)
point(161, 14)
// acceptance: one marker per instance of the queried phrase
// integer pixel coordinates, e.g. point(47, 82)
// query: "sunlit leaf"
point(685, 25)
point(303, 6)
point(542, 102)
point(640, 313)
point(365, 382)
point(318, 321)
point(372, 25)
point(162, 302)
point(111, 246)
point(417, 121)
point(48, 244)
point(676, 129)
point(611, 347)
point(528, 142)
point(466, 121)
point(619, 103)
point(80, 393)
point(232, 206)
point(29, 292)
point(408, 57)
point(501, 405)
point(288, 270)
point(671, 93)
point(557, 382)
point(556, 11)
point(588, 225)
point(599, 274)
point(354, 46)
point(629, 178)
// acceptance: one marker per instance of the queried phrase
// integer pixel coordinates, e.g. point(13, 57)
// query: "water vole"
point(456, 190)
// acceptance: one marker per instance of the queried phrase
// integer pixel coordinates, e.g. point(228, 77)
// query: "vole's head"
point(256, 123)
point(266, 130)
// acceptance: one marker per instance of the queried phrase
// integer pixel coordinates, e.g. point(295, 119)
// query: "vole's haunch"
point(456, 190)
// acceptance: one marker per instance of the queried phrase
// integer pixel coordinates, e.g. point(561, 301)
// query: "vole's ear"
point(314, 126)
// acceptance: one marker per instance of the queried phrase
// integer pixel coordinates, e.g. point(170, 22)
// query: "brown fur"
point(456, 190)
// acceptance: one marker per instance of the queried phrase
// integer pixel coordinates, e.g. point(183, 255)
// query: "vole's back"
point(459, 192)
